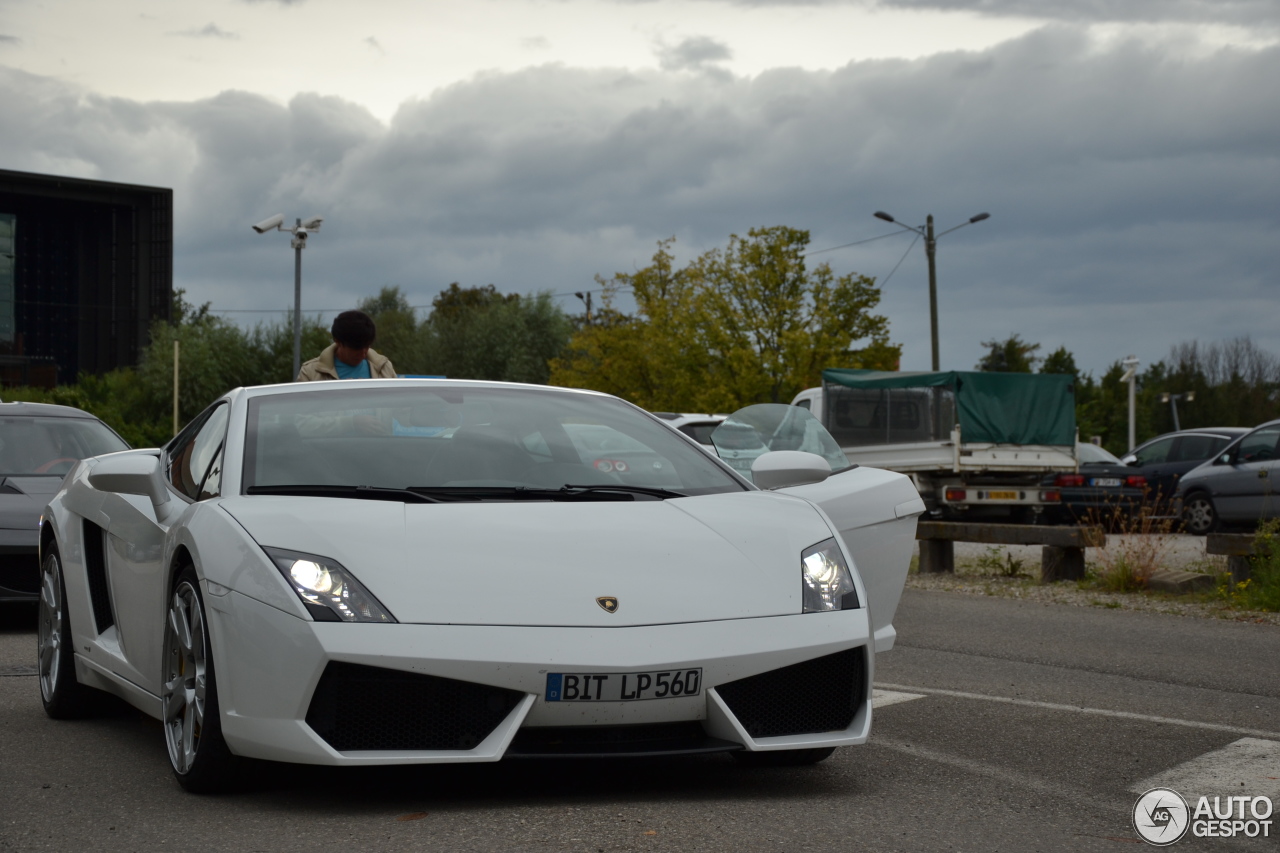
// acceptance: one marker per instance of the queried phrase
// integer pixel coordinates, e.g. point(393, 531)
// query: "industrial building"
point(85, 267)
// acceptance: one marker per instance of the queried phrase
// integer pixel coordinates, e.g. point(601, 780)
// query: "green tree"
point(400, 336)
point(1060, 361)
point(749, 323)
point(479, 333)
point(1012, 355)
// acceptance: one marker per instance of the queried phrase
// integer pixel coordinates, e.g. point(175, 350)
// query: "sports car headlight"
point(827, 583)
point(328, 590)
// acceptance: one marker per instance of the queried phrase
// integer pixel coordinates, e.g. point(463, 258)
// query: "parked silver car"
point(1238, 486)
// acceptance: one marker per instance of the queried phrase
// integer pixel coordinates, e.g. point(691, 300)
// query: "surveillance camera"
point(312, 224)
point(269, 224)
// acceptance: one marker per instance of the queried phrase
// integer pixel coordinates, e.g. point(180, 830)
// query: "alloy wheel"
point(185, 677)
point(50, 632)
point(1200, 514)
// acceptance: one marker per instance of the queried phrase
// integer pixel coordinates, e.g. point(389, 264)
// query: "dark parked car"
point(1238, 487)
point(38, 445)
point(1164, 459)
point(1104, 488)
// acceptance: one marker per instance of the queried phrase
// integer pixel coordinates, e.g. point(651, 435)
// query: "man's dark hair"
point(354, 329)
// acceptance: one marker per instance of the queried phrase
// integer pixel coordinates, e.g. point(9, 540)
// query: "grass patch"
point(1001, 564)
point(1261, 591)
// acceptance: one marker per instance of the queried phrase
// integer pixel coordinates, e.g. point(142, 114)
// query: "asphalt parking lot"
point(1001, 725)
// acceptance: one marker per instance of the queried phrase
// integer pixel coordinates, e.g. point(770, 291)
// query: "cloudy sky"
point(1127, 150)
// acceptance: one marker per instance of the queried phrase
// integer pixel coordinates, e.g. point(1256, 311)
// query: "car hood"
point(533, 563)
point(23, 498)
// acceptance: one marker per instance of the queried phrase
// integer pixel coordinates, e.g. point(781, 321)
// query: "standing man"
point(349, 356)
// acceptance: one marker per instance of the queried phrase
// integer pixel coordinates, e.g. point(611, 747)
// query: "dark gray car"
point(39, 444)
point(1236, 487)
point(1164, 459)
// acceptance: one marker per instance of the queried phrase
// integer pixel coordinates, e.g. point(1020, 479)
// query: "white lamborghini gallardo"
point(414, 571)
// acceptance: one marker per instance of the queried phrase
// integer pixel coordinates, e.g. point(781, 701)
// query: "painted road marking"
point(882, 698)
point(1079, 709)
point(1248, 766)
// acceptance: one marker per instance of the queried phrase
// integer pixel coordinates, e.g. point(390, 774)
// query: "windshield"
point(751, 432)
point(481, 440)
point(1093, 453)
point(50, 446)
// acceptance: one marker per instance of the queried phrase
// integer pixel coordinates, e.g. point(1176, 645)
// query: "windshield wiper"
point(634, 490)
point(375, 493)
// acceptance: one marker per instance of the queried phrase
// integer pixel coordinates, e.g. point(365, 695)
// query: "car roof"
point(1220, 432)
point(42, 410)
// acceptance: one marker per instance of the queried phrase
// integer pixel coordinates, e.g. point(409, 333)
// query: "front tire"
point(1199, 514)
point(63, 697)
point(201, 760)
point(784, 757)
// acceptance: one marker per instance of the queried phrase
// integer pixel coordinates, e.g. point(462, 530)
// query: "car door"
point(1189, 451)
point(135, 558)
point(1245, 488)
point(1152, 462)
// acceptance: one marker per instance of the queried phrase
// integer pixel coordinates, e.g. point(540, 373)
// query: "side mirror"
point(1130, 460)
point(1224, 459)
point(132, 474)
point(778, 469)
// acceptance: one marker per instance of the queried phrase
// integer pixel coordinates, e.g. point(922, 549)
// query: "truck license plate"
point(622, 686)
point(1002, 496)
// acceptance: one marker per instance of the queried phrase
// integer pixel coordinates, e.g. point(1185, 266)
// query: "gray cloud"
point(535, 43)
point(1247, 13)
point(691, 54)
point(375, 44)
point(7, 40)
point(210, 30)
point(1131, 186)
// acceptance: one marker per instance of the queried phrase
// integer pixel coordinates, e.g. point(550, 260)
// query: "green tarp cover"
point(1002, 408)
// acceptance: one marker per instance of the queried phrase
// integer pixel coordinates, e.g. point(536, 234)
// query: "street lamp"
point(585, 297)
point(299, 242)
point(930, 250)
point(1130, 375)
point(1172, 400)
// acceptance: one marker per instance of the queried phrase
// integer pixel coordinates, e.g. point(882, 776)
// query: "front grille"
point(615, 741)
point(20, 572)
point(359, 707)
point(819, 695)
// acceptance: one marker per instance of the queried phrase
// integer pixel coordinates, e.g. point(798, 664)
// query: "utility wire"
point(854, 243)
point(899, 263)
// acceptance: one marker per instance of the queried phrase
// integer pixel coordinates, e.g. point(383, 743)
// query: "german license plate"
point(622, 686)
point(1002, 496)
point(1105, 481)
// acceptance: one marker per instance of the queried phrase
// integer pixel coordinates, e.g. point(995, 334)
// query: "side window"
point(804, 404)
point(191, 458)
point(1259, 446)
point(1193, 448)
point(1155, 452)
point(1219, 444)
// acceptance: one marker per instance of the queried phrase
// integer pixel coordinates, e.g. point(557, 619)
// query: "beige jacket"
point(321, 367)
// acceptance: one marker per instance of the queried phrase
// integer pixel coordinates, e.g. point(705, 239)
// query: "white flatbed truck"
point(979, 446)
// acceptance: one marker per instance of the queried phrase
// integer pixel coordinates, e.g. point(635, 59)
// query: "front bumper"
point(269, 665)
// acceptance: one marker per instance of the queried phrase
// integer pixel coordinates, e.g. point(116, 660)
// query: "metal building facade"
point(85, 267)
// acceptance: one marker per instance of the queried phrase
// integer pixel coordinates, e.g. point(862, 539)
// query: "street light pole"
point(931, 252)
point(299, 242)
point(1172, 399)
point(1131, 376)
point(297, 300)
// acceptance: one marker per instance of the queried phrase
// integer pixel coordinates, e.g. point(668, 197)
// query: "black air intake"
point(818, 695)
point(359, 707)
